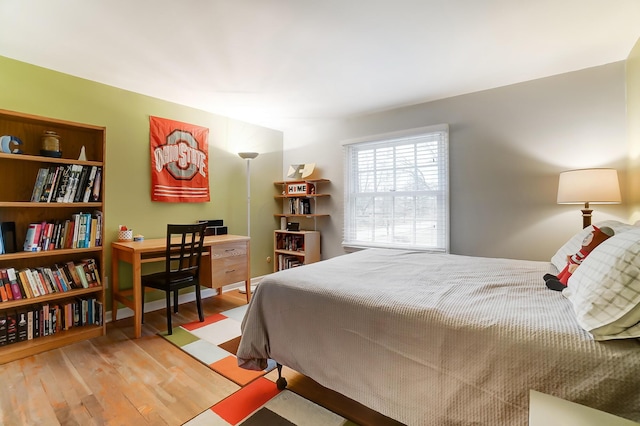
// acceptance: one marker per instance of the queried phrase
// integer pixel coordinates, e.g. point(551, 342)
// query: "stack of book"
point(287, 262)
point(82, 230)
point(30, 283)
point(31, 322)
point(68, 184)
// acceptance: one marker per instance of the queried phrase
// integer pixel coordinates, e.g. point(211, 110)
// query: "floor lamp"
point(248, 156)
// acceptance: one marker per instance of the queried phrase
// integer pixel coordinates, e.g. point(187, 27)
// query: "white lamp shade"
point(597, 186)
point(248, 155)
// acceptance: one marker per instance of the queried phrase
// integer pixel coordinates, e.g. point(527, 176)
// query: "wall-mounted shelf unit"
point(295, 248)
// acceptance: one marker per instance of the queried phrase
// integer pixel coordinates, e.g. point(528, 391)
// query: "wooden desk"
point(227, 261)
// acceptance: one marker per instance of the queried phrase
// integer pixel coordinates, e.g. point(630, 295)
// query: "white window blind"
point(397, 190)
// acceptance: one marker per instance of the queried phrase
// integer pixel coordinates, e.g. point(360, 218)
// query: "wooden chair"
point(182, 267)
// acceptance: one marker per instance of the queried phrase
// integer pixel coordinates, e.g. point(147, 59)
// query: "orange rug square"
point(228, 367)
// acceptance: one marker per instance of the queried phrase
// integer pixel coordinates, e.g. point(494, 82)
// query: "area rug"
point(214, 342)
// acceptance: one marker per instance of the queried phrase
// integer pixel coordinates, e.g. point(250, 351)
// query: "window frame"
point(395, 139)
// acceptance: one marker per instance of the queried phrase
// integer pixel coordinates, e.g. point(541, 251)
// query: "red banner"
point(179, 161)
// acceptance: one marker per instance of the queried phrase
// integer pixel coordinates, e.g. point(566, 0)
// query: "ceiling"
point(279, 63)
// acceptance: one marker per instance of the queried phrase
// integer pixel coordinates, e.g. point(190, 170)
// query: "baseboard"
point(183, 298)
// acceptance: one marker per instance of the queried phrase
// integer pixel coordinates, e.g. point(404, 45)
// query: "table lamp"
point(589, 186)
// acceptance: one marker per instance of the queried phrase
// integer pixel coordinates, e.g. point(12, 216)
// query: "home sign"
point(297, 188)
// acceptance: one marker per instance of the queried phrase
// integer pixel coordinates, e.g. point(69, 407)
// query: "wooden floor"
point(118, 380)
point(115, 379)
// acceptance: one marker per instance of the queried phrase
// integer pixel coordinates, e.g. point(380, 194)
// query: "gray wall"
point(507, 147)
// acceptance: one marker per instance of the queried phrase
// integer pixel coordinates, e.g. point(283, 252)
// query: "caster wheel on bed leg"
point(281, 383)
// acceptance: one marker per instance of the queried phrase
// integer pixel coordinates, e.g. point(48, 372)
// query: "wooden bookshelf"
point(295, 248)
point(19, 172)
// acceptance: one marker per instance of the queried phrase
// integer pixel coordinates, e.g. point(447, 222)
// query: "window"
point(397, 190)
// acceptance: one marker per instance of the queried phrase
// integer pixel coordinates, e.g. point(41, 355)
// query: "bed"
point(439, 339)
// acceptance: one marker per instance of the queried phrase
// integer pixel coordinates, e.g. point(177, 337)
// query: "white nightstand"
point(547, 410)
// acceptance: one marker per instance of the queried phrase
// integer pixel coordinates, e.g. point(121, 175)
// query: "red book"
point(15, 287)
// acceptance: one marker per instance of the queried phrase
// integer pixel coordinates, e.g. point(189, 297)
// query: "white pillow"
point(572, 246)
point(605, 289)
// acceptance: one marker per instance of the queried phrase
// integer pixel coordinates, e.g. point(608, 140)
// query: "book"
point(33, 274)
point(82, 276)
point(36, 322)
point(89, 186)
point(77, 172)
point(12, 326)
point(82, 231)
point(30, 323)
point(53, 281)
point(70, 267)
point(29, 286)
point(3, 294)
point(82, 183)
point(38, 187)
point(4, 281)
point(50, 182)
point(98, 237)
point(60, 277)
point(74, 175)
point(3, 328)
point(46, 235)
point(76, 228)
point(47, 280)
point(13, 280)
point(63, 184)
point(93, 273)
point(8, 231)
point(44, 280)
point(97, 185)
point(32, 239)
point(21, 314)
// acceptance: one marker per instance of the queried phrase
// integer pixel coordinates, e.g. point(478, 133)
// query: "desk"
point(225, 260)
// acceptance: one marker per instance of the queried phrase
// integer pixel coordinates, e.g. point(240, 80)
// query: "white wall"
point(507, 147)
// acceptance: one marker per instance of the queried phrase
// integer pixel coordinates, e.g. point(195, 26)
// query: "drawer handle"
point(230, 271)
point(230, 250)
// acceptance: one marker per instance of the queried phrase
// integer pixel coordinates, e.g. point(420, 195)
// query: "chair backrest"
point(184, 250)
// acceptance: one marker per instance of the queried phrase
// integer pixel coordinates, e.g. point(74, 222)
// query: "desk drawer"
point(228, 250)
point(228, 264)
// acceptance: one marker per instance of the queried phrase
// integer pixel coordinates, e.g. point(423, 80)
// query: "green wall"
point(34, 90)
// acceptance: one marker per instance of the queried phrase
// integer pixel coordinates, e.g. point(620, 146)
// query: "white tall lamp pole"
point(248, 156)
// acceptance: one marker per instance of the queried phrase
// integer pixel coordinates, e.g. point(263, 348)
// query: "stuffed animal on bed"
point(591, 241)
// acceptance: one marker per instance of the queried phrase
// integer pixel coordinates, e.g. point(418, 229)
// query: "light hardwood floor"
point(115, 379)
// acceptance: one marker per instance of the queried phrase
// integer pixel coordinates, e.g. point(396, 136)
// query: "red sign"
point(179, 161)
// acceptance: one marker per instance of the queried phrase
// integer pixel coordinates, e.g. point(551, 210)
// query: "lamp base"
point(586, 218)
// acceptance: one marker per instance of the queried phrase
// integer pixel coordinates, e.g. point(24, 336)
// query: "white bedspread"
point(437, 339)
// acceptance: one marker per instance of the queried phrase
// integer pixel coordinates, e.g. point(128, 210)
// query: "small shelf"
point(295, 248)
point(301, 196)
point(299, 215)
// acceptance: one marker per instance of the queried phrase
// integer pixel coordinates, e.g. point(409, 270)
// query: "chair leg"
point(142, 305)
point(169, 328)
point(199, 303)
point(175, 301)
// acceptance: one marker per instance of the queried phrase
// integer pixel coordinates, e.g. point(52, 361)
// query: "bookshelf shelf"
point(295, 248)
point(33, 205)
point(19, 172)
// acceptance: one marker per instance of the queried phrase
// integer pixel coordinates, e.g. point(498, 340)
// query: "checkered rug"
point(214, 342)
